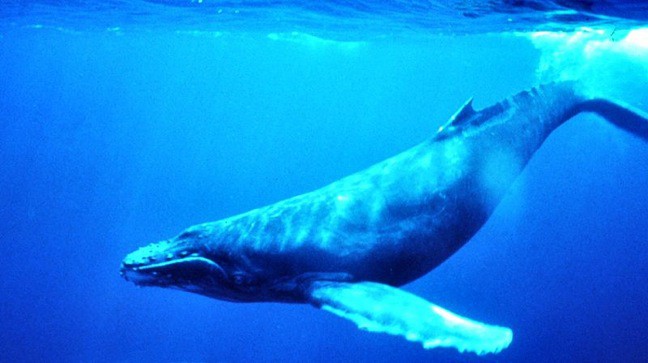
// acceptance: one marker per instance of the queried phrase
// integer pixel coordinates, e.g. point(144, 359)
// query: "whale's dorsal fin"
point(462, 116)
point(463, 113)
point(384, 309)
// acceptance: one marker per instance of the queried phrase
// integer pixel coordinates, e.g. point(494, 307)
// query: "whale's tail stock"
point(619, 114)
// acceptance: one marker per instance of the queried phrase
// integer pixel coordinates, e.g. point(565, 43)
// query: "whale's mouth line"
point(168, 272)
point(185, 260)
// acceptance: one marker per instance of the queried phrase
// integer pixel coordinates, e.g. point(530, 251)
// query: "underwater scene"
point(323, 181)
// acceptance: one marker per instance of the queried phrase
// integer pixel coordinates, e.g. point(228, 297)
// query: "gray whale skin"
point(345, 248)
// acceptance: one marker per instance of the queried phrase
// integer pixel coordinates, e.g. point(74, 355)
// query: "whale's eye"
point(239, 278)
point(188, 234)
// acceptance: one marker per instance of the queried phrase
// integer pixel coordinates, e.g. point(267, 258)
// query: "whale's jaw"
point(178, 272)
point(166, 264)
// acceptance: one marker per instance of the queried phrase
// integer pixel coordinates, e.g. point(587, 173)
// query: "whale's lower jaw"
point(179, 272)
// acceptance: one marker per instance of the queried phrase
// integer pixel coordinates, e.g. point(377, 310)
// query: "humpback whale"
point(347, 247)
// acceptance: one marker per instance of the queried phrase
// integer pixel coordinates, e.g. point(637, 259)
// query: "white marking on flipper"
point(384, 309)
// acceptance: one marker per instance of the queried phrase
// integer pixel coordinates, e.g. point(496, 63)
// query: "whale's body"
point(346, 246)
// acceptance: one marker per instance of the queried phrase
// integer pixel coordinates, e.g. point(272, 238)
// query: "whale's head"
point(193, 263)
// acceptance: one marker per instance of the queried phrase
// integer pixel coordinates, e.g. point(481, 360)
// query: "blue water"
point(124, 122)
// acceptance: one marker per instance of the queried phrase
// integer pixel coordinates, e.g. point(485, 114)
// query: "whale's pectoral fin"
point(385, 309)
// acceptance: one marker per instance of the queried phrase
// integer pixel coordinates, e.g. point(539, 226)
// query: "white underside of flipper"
point(384, 309)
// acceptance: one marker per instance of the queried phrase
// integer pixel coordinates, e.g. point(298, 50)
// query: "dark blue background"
point(110, 141)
